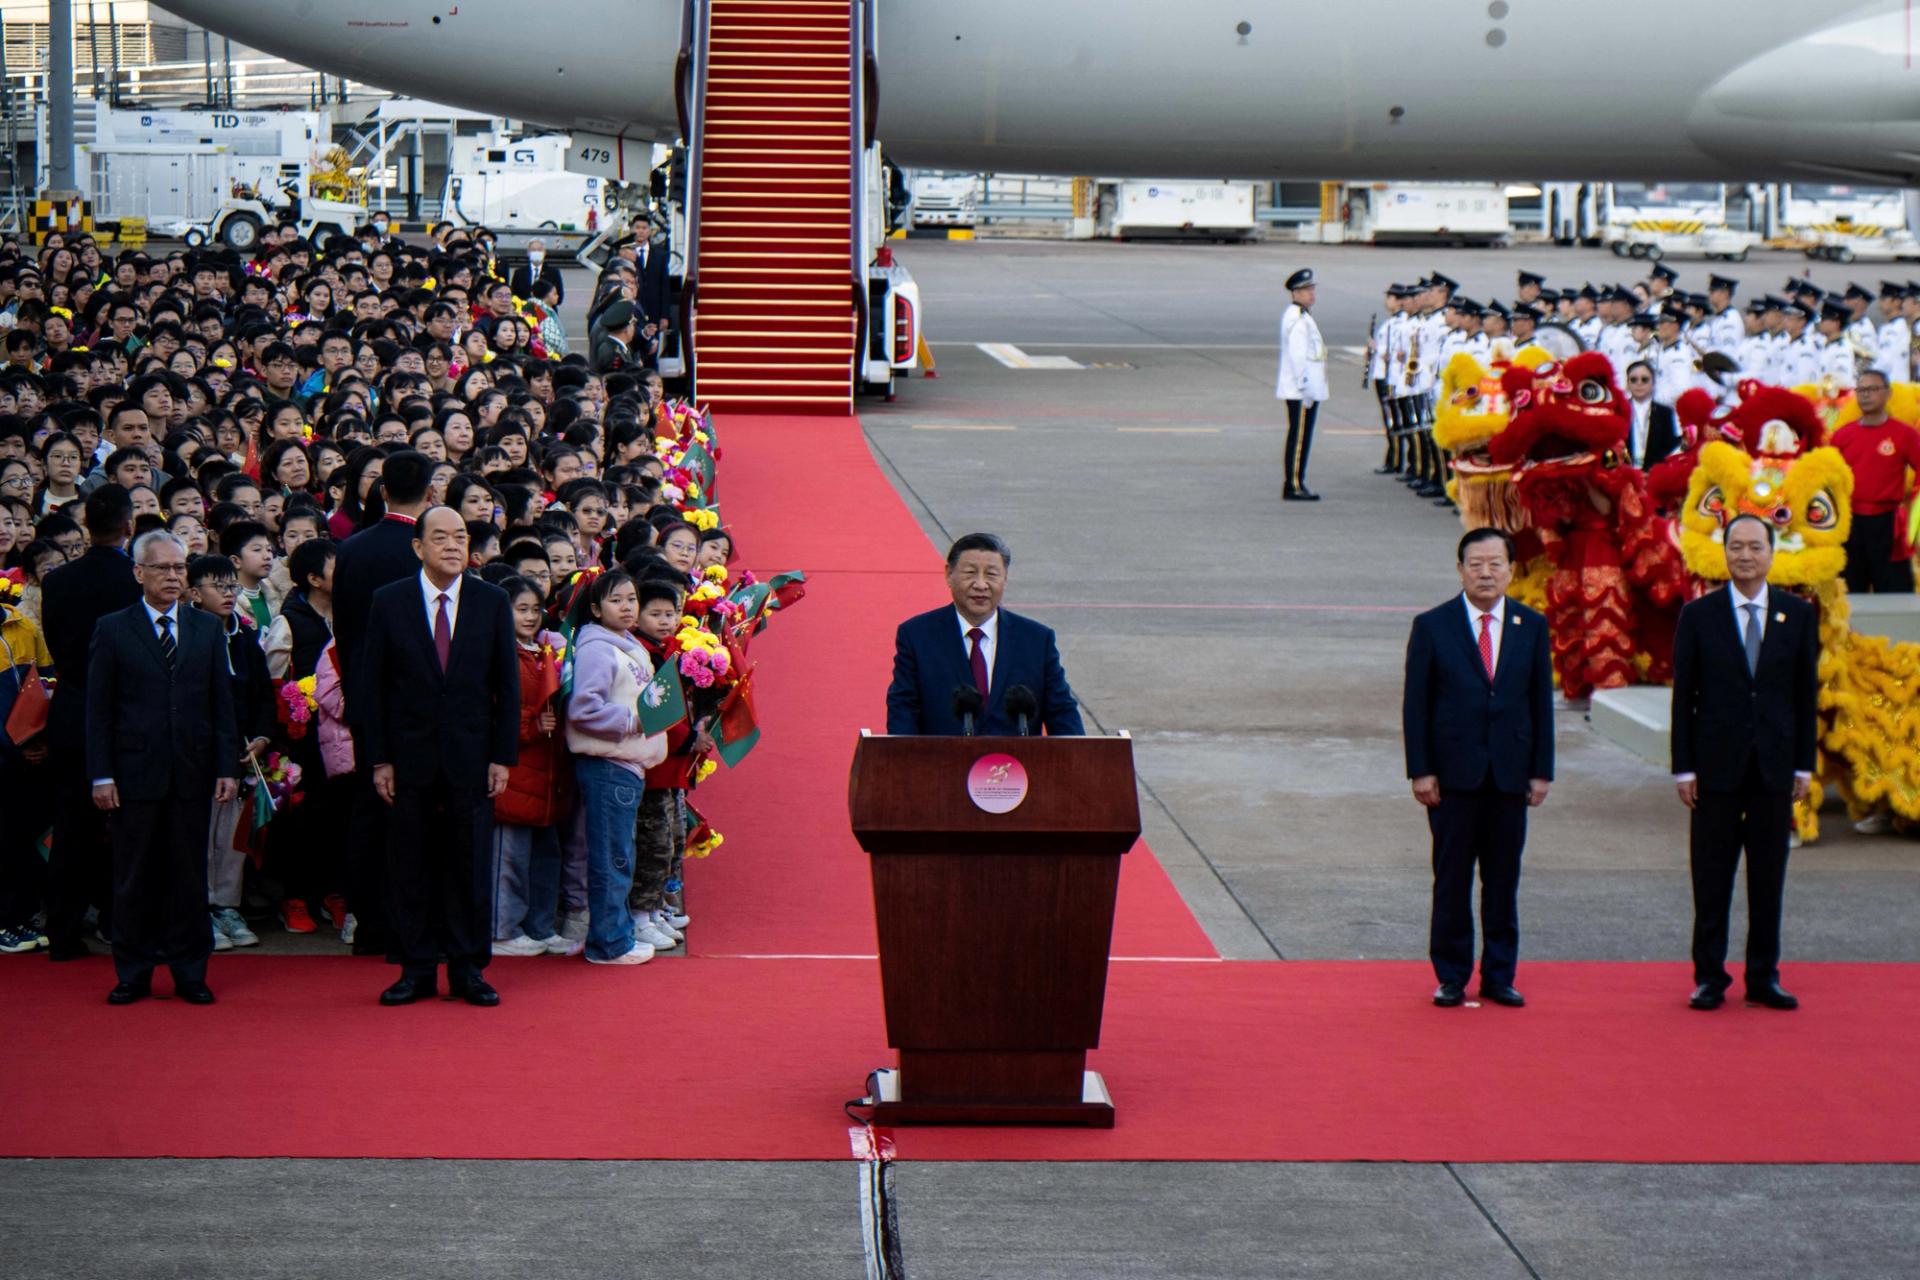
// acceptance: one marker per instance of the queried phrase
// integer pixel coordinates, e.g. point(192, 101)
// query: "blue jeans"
point(610, 799)
point(526, 880)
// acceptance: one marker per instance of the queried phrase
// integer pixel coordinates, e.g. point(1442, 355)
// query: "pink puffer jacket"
point(336, 742)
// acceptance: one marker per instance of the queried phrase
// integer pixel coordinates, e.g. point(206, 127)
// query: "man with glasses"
point(161, 751)
point(1655, 431)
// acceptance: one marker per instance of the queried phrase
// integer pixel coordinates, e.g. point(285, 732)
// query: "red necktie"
point(1486, 643)
point(443, 633)
point(979, 660)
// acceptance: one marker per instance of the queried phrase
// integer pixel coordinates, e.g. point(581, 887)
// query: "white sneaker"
point(559, 946)
point(230, 922)
point(221, 942)
point(663, 922)
point(653, 936)
point(520, 946)
point(676, 919)
point(574, 927)
point(1877, 823)
point(347, 930)
point(640, 954)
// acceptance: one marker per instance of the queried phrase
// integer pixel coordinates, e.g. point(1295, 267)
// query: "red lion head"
point(1566, 416)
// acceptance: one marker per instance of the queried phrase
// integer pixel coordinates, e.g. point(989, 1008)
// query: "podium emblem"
point(997, 783)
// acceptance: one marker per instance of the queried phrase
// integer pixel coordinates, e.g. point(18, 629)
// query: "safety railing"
point(860, 56)
point(691, 98)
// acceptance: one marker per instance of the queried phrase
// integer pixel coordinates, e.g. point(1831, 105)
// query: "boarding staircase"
point(774, 95)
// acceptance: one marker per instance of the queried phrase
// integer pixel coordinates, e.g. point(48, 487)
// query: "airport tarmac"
point(1109, 410)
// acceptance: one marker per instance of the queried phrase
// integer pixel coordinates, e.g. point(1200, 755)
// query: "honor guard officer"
point(1478, 345)
point(1302, 383)
point(1586, 323)
point(1377, 364)
point(1529, 287)
point(1494, 328)
point(1642, 347)
point(1429, 328)
point(1726, 329)
point(1861, 331)
point(1754, 353)
point(1453, 338)
point(1401, 341)
point(1693, 330)
point(1807, 293)
point(1893, 339)
point(1660, 282)
point(1616, 335)
point(1834, 362)
point(1526, 320)
point(1673, 362)
point(1797, 361)
point(1563, 307)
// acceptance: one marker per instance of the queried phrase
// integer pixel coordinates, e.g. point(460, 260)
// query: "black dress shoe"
point(479, 991)
point(194, 992)
point(1430, 490)
point(1290, 495)
point(1449, 994)
point(408, 990)
point(1707, 996)
point(1770, 995)
point(1386, 471)
point(128, 992)
point(1501, 993)
point(1306, 494)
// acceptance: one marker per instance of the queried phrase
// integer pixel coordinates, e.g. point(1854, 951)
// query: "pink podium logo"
point(997, 783)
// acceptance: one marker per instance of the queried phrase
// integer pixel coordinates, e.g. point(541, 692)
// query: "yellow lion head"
point(1807, 499)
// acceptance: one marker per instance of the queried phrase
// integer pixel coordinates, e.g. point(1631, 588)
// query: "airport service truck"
point(1653, 220)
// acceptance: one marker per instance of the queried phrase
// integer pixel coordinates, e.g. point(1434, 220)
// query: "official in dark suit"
point(1477, 713)
point(162, 749)
point(372, 558)
point(74, 598)
point(1745, 684)
point(1654, 430)
point(534, 271)
point(441, 682)
point(977, 645)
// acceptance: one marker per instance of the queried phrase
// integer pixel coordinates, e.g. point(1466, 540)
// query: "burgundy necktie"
point(979, 660)
point(442, 632)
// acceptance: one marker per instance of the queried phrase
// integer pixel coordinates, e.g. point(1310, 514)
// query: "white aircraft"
point(1525, 89)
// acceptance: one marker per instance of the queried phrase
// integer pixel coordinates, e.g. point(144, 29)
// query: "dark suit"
point(440, 730)
point(522, 280)
point(1485, 740)
point(1663, 434)
point(931, 658)
point(74, 598)
point(163, 735)
point(369, 560)
point(1743, 736)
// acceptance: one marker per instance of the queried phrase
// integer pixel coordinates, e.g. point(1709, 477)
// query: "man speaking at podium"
point(974, 667)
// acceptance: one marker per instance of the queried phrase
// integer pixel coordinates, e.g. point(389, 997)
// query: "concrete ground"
point(1253, 648)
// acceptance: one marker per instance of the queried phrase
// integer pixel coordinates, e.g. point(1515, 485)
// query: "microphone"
point(1023, 707)
point(966, 704)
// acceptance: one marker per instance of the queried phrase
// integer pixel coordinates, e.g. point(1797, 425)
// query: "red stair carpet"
point(774, 324)
point(1207, 1060)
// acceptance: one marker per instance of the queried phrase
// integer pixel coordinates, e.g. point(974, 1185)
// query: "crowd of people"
point(278, 437)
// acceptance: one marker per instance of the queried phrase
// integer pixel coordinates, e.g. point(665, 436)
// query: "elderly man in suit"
point(441, 726)
point(974, 645)
point(377, 555)
point(1745, 712)
point(162, 748)
point(1477, 712)
point(75, 597)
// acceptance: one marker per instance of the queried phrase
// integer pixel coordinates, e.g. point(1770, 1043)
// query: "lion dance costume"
point(1615, 580)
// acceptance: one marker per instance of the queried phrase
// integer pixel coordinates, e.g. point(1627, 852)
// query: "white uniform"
point(1480, 347)
point(1755, 355)
point(1797, 361)
point(1893, 353)
point(1377, 367)
point(1865, 341)
point(1588, 331)
point(1399, 344)
point(1618, 346)
point(1673, 372)
point(1835, 368)
point(1452, 342)
point(1725, 332)
point(1432, 330)
point(1303, 358)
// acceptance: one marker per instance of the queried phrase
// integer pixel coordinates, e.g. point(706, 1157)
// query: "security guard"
point(1302, 383)
point(1893, 337)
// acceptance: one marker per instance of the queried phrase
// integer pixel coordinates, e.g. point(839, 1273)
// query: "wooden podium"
point(995, 863)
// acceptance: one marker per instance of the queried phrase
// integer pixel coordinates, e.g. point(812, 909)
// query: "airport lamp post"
point(60, 95)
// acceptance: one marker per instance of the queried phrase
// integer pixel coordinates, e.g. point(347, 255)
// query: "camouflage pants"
point(659, 843)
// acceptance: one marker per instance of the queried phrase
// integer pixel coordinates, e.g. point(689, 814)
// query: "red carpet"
point(790, 880)
point(1215, 1061)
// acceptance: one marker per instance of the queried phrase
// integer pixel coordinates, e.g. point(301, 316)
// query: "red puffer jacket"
point(540, 787)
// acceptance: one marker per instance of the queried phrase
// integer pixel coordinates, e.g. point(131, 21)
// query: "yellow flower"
point(705, 770)
point(716, 573)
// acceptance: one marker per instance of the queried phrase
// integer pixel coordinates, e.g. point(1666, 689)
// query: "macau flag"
point(662, 705)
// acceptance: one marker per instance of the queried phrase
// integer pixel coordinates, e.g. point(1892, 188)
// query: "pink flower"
point(720, 662)
point(702, 677)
